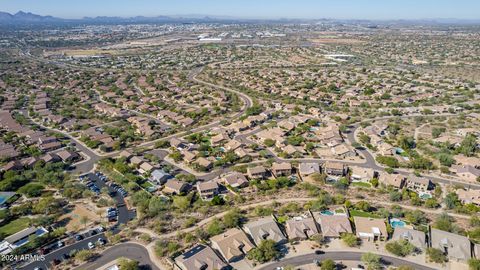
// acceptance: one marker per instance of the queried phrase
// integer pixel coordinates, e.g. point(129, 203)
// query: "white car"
point(91, 245)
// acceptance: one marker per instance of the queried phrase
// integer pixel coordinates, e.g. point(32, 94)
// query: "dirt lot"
point(80, 210)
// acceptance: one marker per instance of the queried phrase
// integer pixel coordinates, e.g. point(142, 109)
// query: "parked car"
point(91, 245)
point(78, 237)
point(60, 244)
point(101, 241)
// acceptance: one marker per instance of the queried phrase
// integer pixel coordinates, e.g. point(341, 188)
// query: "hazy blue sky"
point(360, 9)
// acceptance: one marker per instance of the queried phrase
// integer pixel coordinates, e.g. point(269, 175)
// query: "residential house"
point(205, 163)
point(146, 167)
point(360, 174)
point(136, 160)
point(67, 155)
point(175, 187)
point(232, 145)
point(300, 228)
point(263, 229)
point(188, 156)
point(468, 173)
point(307, 169)
point(219, 139)
point(371, 229)
point(455, 246)
point(233, 244)
point(281, 169)
point(235, 179)
point(394, 180)
point(257, 172)
point(159, 176)
point(414, 237)
point(333, 226)
point(418, 184)
point(200, 257)
point(207, 190)
point(126, 154)
point(20, 238)
point(469, 196)
point(180, 145)
point(342, 151)
point(334, 169)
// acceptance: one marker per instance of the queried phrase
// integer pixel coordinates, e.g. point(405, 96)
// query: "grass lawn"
point(146, 185)
point(357, 213)
point(14, 226)
point(361, 184)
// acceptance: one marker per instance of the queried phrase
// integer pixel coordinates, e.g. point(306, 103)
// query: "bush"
point(372, 261)
point(474, 264)
point(84, 255)
point(436, 255)
point(400, 248)
point(32, 189)
point(389, 161)
point(126, 264)
point(350, 239)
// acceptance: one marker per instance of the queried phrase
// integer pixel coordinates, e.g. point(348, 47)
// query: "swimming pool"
point(425, 196)
point(394, 222)
point(326, 213)
point(4, 196)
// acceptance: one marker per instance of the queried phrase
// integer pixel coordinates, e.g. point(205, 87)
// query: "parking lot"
point(55, 253)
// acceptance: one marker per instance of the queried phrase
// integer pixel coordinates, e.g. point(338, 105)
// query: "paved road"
point(131, 251)
point(124, 215)
point(340, 256)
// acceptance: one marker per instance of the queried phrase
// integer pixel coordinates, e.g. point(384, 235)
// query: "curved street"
point(340, 256)
point(131, 251)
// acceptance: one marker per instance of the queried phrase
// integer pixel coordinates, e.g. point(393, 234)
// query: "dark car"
point(93, 232)
point(56, 262)
point(65, 256)
point(319, 252)
point(78, 237)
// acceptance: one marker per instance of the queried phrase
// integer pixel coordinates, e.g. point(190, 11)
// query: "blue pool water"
point(327, 213)
point(397, 223)
point(2, 199)
point(425, 196)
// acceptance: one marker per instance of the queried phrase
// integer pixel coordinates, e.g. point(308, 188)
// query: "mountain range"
point(22, 17)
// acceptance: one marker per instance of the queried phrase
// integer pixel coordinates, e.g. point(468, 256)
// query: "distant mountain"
point(25, 17)
point(22, 17)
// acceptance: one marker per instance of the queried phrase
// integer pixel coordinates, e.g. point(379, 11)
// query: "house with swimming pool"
point(20, 238)
point(370, 229)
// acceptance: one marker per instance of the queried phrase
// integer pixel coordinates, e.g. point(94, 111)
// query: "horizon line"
point(243, 17)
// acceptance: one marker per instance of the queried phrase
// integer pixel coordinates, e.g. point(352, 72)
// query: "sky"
point(260, 9)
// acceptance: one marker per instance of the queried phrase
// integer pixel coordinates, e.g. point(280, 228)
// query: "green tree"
point(269, 142)
point(468, 145)
point(266, 251)
point(84, 255)
point(233, 218)
point(451, 200)
point(126, 264)
point(372, 261)
point(328, 264)
point(215, 227)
